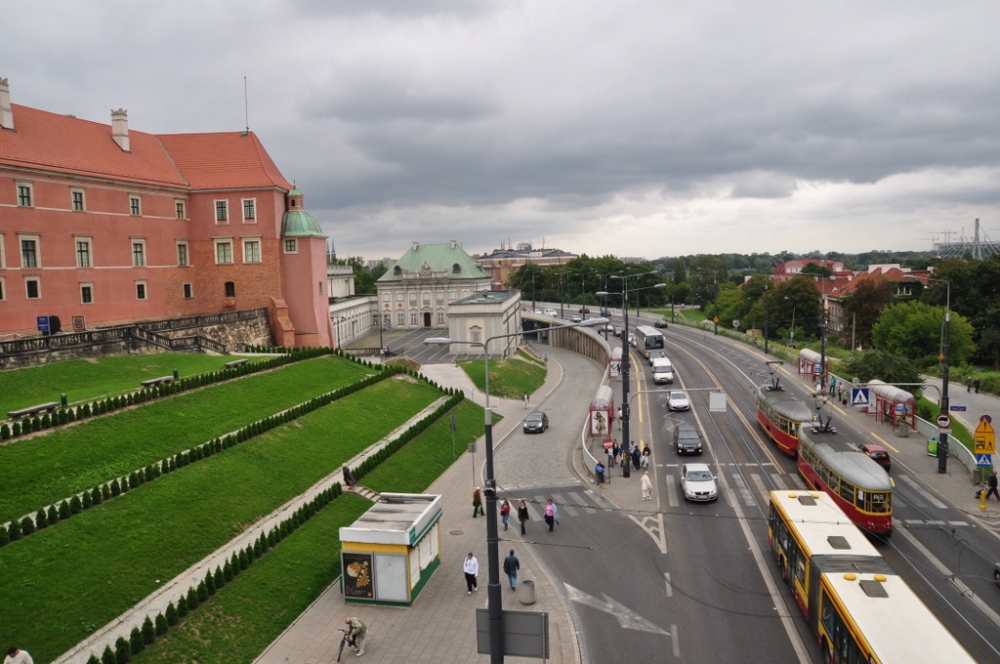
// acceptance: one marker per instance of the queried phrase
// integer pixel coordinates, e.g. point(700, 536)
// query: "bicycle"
point(344, 641)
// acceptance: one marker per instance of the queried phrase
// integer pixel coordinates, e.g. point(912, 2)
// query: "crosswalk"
point(570, 502)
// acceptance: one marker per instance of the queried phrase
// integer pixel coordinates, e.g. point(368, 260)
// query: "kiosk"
point(390, 552)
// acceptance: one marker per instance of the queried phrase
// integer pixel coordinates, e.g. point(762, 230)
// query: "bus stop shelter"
point(891, 404)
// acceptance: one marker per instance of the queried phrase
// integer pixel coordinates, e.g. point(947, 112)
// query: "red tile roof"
point(62, 143)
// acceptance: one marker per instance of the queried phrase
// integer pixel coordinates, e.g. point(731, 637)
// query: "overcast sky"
point(634, 128)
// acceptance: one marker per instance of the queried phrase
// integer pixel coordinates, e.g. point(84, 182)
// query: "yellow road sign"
point(985, 437)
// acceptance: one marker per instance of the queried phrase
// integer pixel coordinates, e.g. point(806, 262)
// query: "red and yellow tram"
point(779, 415)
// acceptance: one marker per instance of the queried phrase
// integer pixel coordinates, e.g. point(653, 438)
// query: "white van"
point(663, 371)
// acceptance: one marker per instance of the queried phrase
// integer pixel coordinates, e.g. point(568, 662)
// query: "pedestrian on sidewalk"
point(619, 418)
point(833, 385)
point(644, 461)
point(477, 503)
point(550, 514)
point(610, 465)
point(599, 472)
point(647, 486)
point(522, 515)
point(636, 455)
point(17, 656)
point(975, 384)
point(505, 512)
point(471, 569)
point(968, 383)
point(992, 484)
point(510, 566)
point(356, 633)
point(525, 399)
point(348, 476)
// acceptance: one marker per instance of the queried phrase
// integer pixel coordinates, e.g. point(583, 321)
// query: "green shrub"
point(53, 514)
point(202, 593)
point(64, 511)
point(108, 657)
point(4, 535)
point(93, 659)
point(41, 519)
point(135, 642)
point(161, 625)
point(220, 579)
point(227, 571)
point(27, 525)
point(96, 496)
point(172, 614)
point(14, 531)
point(192, 598)
point(148, 633)
point(209, 582)
point(88, 500)
point(75, 506)
point(123, 651)
point(15, 429)
point(182, 606)
point(116, 489)
point(4, 432)
point(133, 480)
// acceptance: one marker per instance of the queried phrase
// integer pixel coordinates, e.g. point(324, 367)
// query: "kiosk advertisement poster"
point(358, 575)
point(599, 421)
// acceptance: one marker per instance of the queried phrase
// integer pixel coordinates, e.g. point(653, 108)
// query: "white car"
point(678, 400)
point(550, 312)
point(698, 483)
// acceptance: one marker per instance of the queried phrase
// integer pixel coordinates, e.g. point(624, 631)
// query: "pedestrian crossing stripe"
point(859, 396)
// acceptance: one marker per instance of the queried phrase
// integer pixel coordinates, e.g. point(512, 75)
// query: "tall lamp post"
point(942, 450)
point(626, 470)
point(494, 596)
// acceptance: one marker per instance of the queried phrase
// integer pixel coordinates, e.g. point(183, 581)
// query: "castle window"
point(24, 195)
point(250, 209)
point(32, 288)
point(230, 289)
point(221, 212)
point(86, 293)
point(456, 268)
point(140, 290)
point(179, 210)
point(134, 206)
point(291, 246)
point(83, 253)
point(77, 198)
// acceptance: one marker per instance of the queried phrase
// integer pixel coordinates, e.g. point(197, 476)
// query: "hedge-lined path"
point(172, 590)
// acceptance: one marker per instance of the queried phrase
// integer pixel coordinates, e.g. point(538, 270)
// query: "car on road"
point(678, 400)
point(632, 340)
point(576, 319)
point(608, 327)
point(584, 310)
point(687, 440)
point(618, 330)
point(655, 355)
point(878, 454)
point(698, 482)
point(662, 324)
point(536, 422)
point(550, 312)
point(663, 371)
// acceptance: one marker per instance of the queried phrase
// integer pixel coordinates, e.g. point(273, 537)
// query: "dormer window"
point(397, 271)
point(456, 268)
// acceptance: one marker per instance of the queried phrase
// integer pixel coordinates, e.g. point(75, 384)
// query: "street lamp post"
point(494, 596)
point(626, 470)
point(942, 450)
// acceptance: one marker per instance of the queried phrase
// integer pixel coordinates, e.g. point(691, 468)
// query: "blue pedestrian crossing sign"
point(984, 459)
point(859, 396)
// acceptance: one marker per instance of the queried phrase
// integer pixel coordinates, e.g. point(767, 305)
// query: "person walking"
point(992, 484)
point(833, 385)
point(550, 514)
point(477, 503)
point(510, 567)
point(17, 656)
point(526, 400)
point(356, 633)
point(348, 476)
point(647, 486)
point(636, 455)
point(644, 460)
point(522, 515)
point(968, 383)
point(975, 384)
point(471, 569)
point(599, 472)
point(505, 512)
point(609, 465)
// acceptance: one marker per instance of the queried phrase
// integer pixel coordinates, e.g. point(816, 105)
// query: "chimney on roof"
point(119, 128)
point(6, 114)
point(454, 243)
point(416, 245)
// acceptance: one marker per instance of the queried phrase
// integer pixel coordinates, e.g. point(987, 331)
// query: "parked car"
point(678, 400)
point(878, 454)
point(536, 422)
point(687, 440)
point(698, 483)
point(662, 324)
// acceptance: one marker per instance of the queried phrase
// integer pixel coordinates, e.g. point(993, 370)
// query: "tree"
point(914, 330)
point(863, 308)
point(817, 270)
point(883, 365)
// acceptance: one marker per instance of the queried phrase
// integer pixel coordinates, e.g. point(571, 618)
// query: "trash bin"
point(904, 430)
point(526, 592)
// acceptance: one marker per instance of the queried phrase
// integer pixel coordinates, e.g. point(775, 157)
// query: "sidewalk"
point(440, 625)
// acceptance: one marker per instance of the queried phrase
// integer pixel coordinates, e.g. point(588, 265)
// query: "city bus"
point(648, 338)
point(859, 610)
point(829, 462)
point(779, 415)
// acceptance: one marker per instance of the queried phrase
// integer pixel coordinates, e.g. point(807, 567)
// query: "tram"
point(829, 462)
point(779, 415)
point(858, 608)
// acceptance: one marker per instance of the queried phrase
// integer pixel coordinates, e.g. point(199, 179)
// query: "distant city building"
point(340, 281)
point(501, 262)
point(483, 315)
point(789, 269)
point(101, 225)
point(417, 290)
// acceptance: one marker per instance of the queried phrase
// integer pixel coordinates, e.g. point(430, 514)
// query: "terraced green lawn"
point(63, 582)
point(50, 467)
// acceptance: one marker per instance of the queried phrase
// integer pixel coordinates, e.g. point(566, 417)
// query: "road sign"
point(985, 438)
point(957, 409)
point(943, 420)
point(984, 459)
point(900, 409)
point(859, 396)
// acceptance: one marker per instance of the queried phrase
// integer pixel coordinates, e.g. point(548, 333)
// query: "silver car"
point(698, 482)
point(678, 400)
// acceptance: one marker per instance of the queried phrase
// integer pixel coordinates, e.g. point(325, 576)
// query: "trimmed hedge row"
point(17, 529)
point(151, 629)
point(71, 414)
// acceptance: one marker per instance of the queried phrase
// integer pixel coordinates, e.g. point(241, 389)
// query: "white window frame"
point(180, 209)
point(135, 205)
point(31, 194)
point(187, 291)
point(246, 243)
point(38, 287)
point(72, 200)
point(252, 219)
point(413, 299)
point(3, 289)
point(183, 244)
point(219, 243)
point(221, 207)
point(84, 285)
point(77, 241)
point(37, 239)
point(413, 318)
point(400, 318)
point(141, 290)
point(3, 253)
point(440, 318)
point(291, 245)
point(143, 259)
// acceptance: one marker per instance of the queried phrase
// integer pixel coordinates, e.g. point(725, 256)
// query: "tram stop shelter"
point(602, 412)
point(391, 551)
point(811, 364)
point(892, 404)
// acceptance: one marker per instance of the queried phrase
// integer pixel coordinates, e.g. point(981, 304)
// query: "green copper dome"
point(299, 223)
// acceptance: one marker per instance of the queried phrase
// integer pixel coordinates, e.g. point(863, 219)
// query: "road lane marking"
point(626, 617)
point(922, 492)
